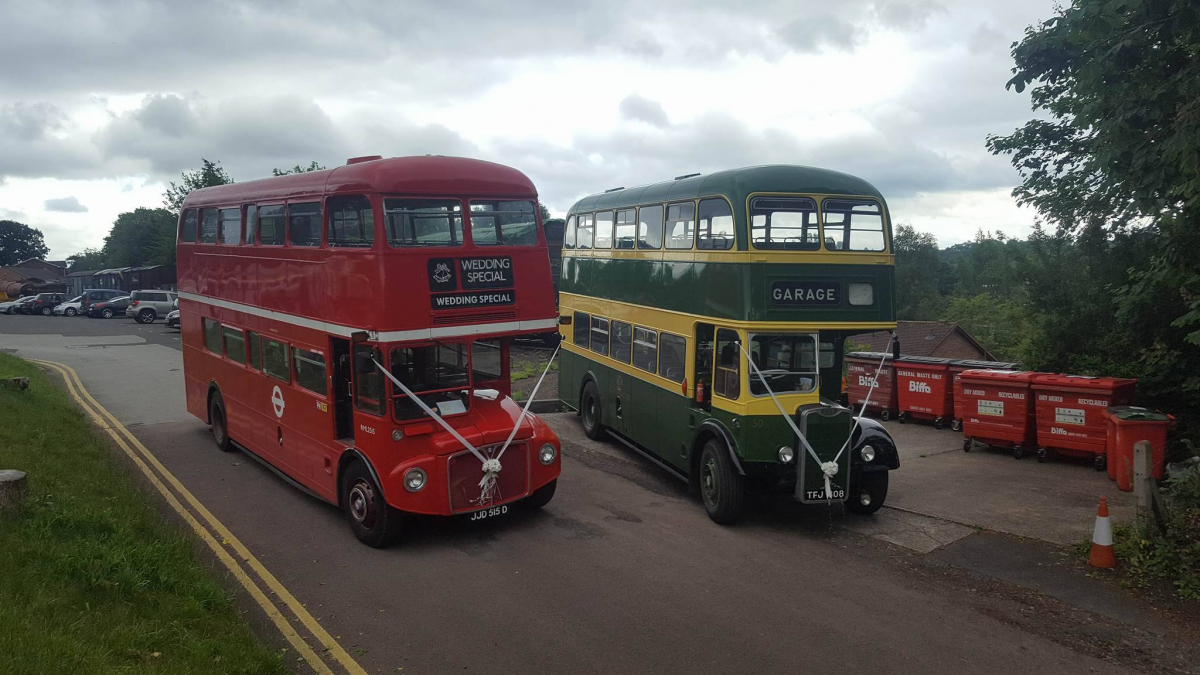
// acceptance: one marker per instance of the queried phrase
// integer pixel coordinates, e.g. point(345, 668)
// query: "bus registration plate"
point(490, 513)
point(817, 495)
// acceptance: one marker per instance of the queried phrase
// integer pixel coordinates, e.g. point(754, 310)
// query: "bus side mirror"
point(358, 336)
point(564, 320)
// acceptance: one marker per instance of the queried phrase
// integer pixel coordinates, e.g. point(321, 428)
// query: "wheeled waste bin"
point(1126, 426)
point(1072, 414)
point(998, 409)
point(956, 368)
point(860, 369)
point(923, 389)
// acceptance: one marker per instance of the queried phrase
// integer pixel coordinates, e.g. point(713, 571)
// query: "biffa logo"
point(919, 387)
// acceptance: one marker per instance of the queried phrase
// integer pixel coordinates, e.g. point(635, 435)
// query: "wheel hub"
point(362, 503)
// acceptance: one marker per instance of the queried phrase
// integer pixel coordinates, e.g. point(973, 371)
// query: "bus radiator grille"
point(465, 472)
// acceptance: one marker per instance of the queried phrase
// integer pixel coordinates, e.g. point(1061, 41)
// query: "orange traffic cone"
point(1102, 544)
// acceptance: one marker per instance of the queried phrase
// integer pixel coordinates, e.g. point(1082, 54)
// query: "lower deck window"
point(235, 345)
point(645, 349)
point(581, 325)
point(275, 359)
point(212, 336)
point(439, 374)
point(600, 335)
point(622, 341)
point(728, 381)
point(672, 357)
point(787, 362)
point(310, 370)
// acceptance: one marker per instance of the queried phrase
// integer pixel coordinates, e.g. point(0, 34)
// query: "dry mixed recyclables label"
point(991, 408)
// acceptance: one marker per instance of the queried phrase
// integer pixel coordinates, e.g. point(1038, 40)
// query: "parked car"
point(91, 295)
point(68, 308)
point(43, 303)
point(108, 308)
point(146, 306)
point(14, 306)
point(173, 317)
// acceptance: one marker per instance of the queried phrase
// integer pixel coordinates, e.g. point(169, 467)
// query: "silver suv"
point(146, 306)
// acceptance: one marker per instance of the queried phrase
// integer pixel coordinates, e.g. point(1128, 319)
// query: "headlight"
point(547, 454)
point(414, 480)
point(862, 294)
point(786, 454)
point(868, 453)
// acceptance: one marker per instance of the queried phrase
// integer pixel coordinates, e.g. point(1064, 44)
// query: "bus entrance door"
point(343, 407)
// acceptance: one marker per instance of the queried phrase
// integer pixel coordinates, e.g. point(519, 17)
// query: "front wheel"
point(870, 493)
point(47, 311)
point(220, 424)
point(371, 520)
point(70, 311)
point(107, 313)
point(542, 495)
point(589, 409)
point(721, 487)
point(146, 316)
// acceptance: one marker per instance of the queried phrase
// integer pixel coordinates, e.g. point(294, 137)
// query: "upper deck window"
point(209, 226)
point(604, 229)
point(231, 226)
point(650, 226)
point(187, 227)
point(423, 222)
point(439, 374)
point(569, 233)
point(681, 221)
point(270, 225)
point(504, 223)
point(626, 230)
point(351, 221)
point(714, 231)
point(304, 224)
point(583, 239)
point(784, 223)
point(853, 225)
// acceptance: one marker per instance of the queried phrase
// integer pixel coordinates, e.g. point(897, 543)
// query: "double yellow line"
point(144, 459)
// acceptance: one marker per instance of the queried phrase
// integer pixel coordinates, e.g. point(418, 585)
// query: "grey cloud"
point(907, 14)
point(813, 33)
point(30, 121)
point(65, 205)
point(641, 109)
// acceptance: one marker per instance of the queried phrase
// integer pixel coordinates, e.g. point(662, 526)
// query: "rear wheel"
point(869, 494)
point(107, 313)
point(146, 316)
point(721, 487)
point(371, 520)
point(219, 422)
point(70, 311)
point(589, 409)
point(542, 495)
point(47, 311)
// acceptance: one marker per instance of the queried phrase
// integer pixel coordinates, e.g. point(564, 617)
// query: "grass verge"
point(92, 578)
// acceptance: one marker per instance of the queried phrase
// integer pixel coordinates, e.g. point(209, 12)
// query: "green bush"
point(1152, 555)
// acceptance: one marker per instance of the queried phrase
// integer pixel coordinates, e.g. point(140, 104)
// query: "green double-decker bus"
point(694, 311)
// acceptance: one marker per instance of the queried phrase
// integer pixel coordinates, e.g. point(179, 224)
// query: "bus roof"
point(735, 184)
point(426, 175)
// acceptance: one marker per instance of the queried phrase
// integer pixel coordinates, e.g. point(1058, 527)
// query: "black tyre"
point(966, 445)
point(902, 418)
point(1018, 452)
point(955, 425)
point(47, 311)
point(146, 316)
point(106, 313)
point(721, 487)
point(70, 311)
point(1101, 462)
point(371, 520)
point(885, 415)
point(589, 409)
point(219, 422)
point(939, 424)
point(872, 488)
point(542, 495)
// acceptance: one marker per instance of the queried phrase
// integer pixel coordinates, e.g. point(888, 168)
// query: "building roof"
point(917, 338)
point(82, 273)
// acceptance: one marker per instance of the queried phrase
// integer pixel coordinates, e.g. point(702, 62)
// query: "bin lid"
point(1133, 413)
point(1056, 381)
point(984, 365)
point(873, 356)
point(999, 376)
point(929, 360)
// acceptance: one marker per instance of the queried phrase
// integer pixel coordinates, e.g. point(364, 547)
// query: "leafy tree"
point(1000, 325)
point(917, 294)
point(544, 211)
point(88, 259)
point(141, 237)
point(1115, 151)
point(20, 242)
point(312, 166)
point(208, 175)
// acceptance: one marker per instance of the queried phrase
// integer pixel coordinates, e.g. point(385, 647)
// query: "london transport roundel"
point(277, 401)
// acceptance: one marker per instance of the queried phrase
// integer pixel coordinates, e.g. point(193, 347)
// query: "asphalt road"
point(621, 573)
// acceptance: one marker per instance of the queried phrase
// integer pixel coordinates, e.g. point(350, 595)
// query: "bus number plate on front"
point(490, 513)
point(838, 494)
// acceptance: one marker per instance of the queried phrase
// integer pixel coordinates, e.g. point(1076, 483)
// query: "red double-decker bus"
point(351, 329)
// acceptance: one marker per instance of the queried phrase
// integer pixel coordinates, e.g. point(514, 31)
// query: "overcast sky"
point(101, 103)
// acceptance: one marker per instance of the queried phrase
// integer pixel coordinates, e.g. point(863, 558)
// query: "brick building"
point(942, 339)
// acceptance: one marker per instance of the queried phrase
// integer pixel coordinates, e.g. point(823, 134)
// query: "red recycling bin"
point(1126, 426)
point(860, 369)
point(998, 409)
point(923, 389)
point(956, 368)
point(1072, 413)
